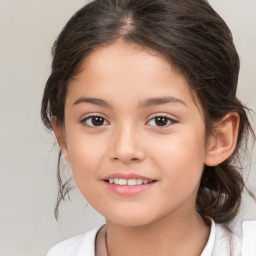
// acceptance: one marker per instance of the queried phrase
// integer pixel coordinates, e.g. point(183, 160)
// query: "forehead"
point(119, 56)
point(124, 67)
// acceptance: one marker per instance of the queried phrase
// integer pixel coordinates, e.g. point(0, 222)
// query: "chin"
point(130, 219)
point(129, 222)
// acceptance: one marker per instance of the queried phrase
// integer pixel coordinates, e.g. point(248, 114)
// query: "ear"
point(60, 136)
point(222, 143)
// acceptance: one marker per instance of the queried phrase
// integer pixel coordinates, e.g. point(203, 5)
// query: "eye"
point(94, 121)
point(161, 121)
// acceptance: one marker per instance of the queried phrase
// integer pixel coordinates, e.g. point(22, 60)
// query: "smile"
point(128, 182)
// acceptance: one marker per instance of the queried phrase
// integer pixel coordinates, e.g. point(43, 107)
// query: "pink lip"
point(126, 175)
point(128, 190)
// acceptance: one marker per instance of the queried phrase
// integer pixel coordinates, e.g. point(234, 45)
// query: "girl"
point(142, 100)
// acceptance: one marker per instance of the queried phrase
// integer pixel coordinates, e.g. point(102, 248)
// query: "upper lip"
point(127, 176)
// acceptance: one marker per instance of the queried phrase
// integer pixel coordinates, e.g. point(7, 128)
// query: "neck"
point(163, 237)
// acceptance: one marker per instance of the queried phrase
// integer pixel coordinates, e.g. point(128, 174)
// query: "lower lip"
point(129, 190)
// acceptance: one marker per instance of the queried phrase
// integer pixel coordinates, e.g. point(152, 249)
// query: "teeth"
point(129, 182)
point(122, 182)
point(139, 181)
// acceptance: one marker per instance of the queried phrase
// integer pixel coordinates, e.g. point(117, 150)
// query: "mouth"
point(129, 182)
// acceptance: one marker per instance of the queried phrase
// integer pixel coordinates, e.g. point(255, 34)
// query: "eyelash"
point(84, 120)
point(170, 121)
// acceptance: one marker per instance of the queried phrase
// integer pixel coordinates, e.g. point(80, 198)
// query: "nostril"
point(134, 159)
point(124, 153)
point(126, 159)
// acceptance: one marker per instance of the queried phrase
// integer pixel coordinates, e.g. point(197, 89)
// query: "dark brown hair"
point(191, 36)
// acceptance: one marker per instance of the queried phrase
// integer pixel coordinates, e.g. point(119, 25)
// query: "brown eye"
point(97, 120)
point(94, 121)
point(161, 121)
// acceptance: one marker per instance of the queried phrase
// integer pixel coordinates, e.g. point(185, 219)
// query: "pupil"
point(161, 121)
point(97, 121)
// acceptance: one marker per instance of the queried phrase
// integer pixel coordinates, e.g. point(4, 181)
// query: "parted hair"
point(192, 37)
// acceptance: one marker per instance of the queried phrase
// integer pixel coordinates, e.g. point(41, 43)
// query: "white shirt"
point(221, 242)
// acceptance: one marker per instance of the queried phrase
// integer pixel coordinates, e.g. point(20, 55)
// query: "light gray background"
point(28, 189)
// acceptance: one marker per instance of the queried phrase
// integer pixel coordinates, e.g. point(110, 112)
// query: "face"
point(134, 136)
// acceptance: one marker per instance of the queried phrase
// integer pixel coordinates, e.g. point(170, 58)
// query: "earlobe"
point(222, 143)
point(59, 133)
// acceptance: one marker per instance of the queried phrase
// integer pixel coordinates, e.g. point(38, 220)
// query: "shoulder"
point(220, 242)
point(79, 245)
point(249, 237)
point(227, 241)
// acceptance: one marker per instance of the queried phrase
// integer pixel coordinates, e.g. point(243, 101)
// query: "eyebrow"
point(95, 101)
point(159, 101)
point(146, 103)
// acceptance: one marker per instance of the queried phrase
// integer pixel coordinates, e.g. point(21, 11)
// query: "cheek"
point(86, 155)
point(181, 158)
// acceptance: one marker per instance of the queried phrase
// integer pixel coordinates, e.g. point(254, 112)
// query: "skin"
point(125, 76)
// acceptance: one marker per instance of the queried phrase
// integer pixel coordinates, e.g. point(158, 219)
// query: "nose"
point(126, 146)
